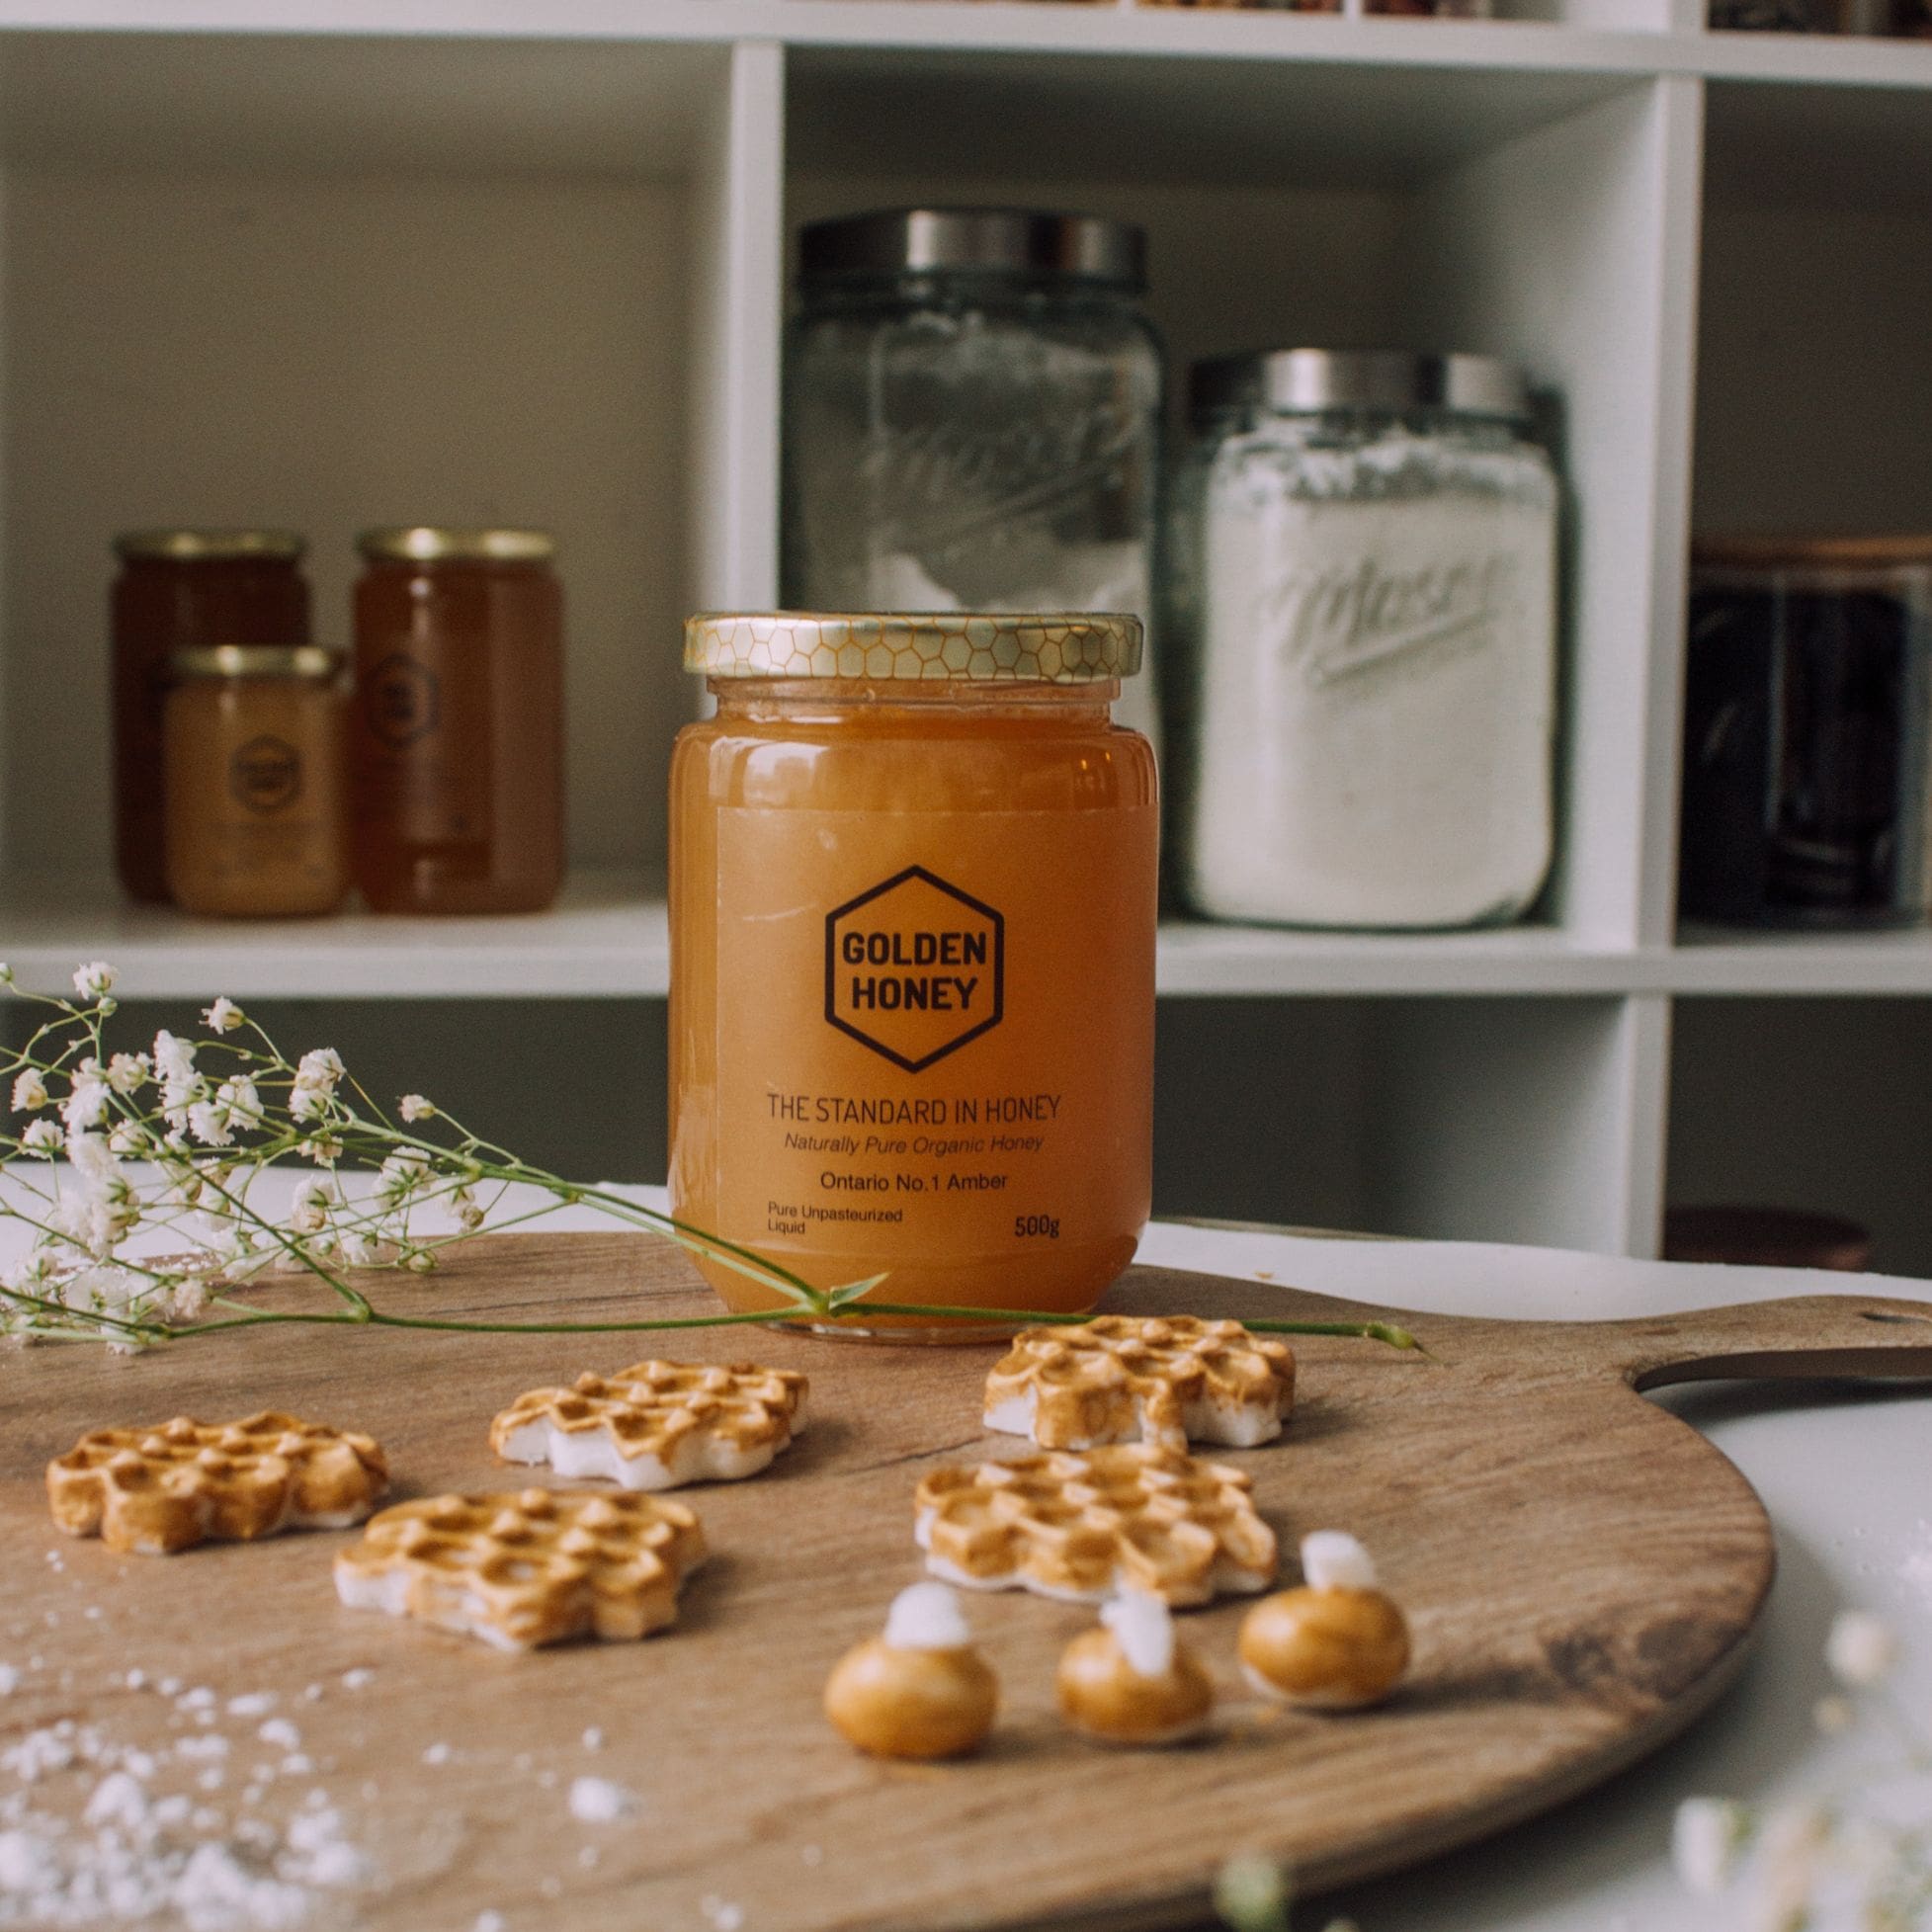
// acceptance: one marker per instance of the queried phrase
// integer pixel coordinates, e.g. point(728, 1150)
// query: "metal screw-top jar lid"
point(209, 545)
point(991, 240)
point(255, 662)
point(443, 544)
point(968, 646)
point(1361, 378)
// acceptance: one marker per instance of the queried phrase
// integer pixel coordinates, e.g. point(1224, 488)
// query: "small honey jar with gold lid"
point(257, 797)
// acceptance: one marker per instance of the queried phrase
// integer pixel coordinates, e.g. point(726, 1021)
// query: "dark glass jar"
point(458, 720)
point(1807, 684)
point(183, 590)
point(972, 410)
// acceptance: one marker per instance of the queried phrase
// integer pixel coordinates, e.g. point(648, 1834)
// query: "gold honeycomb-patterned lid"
point(970, 646)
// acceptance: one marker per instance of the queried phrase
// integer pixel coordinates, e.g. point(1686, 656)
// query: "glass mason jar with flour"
point(1362, 682)
point(972, 418)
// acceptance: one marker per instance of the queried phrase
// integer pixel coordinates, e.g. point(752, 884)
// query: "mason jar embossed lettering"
point(972, 419)
point(458, 722)
point(1363, 631)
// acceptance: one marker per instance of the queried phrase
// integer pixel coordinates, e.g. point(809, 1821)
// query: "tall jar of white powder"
point(972, 404)
point(1362, 642)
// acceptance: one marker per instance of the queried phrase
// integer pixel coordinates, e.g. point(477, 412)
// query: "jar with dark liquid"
point(458, 722)
point(1807, 702)
point(184, 590)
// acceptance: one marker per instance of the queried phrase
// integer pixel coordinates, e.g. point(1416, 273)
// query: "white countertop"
point(1841, 1471)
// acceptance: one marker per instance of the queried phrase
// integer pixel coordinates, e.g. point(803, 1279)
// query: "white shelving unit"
point(328, 263)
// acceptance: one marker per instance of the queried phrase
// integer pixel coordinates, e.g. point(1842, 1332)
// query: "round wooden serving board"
point(1582, 1572)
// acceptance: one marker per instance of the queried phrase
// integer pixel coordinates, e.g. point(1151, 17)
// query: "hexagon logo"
point(401, 701)
point(265, 774)
point(914, 968)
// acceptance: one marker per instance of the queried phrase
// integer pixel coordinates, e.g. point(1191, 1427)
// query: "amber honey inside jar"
point(912, 958)
point(257, 817)
point(458, 720)
point(183, 590)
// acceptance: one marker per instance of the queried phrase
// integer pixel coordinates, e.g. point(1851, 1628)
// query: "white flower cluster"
point(168, 1141)
point(1807, 1868)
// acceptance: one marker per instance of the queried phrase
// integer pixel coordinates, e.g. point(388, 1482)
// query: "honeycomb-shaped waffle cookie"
point(659, 1425)
point(527, 1567)
point(1169, 1380)
point(1083, 1525)
point(166, 1488)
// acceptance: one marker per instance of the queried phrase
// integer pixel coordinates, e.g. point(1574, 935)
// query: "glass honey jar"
point(180, 590)
point(912, 958)
point(458, 720)
point(253, 763)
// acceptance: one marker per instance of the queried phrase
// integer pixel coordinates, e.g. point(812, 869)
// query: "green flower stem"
point(46, 1307)
point(344, 1121)
point(1366, 1331)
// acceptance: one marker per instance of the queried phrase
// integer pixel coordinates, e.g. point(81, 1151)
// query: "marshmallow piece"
point(927, 1617)
point(1332, 1559)
point(1143, 1630)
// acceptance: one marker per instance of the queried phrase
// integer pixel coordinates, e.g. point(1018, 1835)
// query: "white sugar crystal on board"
point(353, 1680)
point(9, 1679)
point(597, 1800)
point(217, 1888)
point(593, 1739)
point(166, 1862)
point(488, 1922)
point(118, 1800)
point(257, 1704)
point(28, 1866)
point(317, 1852)
point(281, 1732)
point(437, 1754)
point(40, 1752)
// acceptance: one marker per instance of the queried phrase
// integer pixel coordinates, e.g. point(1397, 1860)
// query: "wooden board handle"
point(1850, 1335)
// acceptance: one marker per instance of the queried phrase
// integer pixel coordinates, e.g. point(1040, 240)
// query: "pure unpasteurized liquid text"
point(912, 913)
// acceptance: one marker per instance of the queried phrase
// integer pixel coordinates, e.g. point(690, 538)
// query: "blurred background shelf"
point(608, 939)
point(331, 263)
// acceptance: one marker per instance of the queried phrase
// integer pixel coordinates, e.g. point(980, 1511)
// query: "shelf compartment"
point(1530, 216)
point(332, 283)
point(1851, 1080)
point(607, 937)
point(1501, 1120)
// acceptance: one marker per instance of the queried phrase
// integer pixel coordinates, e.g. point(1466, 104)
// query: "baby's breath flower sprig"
point(1859, 1855)
point(132, 1175)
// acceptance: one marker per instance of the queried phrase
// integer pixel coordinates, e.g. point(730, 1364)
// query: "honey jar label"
point(265, 774)
point(424, 748)
point(936, 1029)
